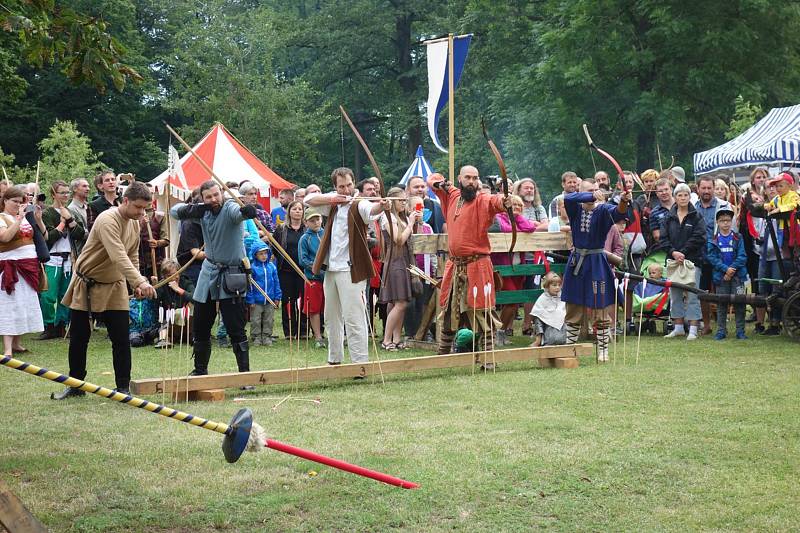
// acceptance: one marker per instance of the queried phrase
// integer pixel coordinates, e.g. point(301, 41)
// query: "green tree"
point(745, 115)
point(66, 154)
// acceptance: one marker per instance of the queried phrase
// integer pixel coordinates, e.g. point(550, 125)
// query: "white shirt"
point(338, 259)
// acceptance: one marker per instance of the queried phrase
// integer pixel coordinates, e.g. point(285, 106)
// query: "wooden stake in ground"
point(474, 323)
point(616, 320)
point(14, 517)
point(624, 314)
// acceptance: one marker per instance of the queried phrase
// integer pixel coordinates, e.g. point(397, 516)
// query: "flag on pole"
point(438, 91)
point(419, 167)
point(176, 177)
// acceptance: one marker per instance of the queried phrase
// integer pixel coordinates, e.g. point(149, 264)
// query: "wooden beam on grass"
point(14, 517)
point(351, 370)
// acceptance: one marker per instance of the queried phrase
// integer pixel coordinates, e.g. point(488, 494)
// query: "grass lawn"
point(702, 435)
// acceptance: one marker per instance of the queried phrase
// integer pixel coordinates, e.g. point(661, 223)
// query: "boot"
point(201, 353)
point(242, 352)
point(603, 335)
point(573, 330)
point(50, 332)
point(69, 392)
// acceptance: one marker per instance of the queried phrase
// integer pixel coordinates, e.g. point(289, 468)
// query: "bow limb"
point(504, 175)
point(608, 156)
point(372, 162)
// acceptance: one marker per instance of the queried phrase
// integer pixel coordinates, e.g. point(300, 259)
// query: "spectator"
point(79, 208)
point(249, 194)
point(314, 295)
point(158, 243)
point(106, 185)
point(173, 296)
point(569, 184)
point(549, 312)
point(707, 206)
point(683, 239)
point(396, 290)
point(725, 253)
point(660, 212)
point(62, 231)
point(534, 212)
point(190, 243)
point(18, 261)
point(262, 313)
point(278, 214)
point(602, 180)
point(428, 264)
point(288, 236)
point(417, 188)
point(299, 194)
point(721, 190)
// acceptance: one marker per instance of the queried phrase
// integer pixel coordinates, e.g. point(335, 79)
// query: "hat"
point(679, 174)
point(783, 176)
point(724, 209)
point(311, 213)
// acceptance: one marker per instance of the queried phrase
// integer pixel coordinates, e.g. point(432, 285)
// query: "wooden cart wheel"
point(791, 316)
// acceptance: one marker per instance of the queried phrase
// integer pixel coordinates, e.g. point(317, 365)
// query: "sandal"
point(402, 346)
point(20, 350)
point(390, 347)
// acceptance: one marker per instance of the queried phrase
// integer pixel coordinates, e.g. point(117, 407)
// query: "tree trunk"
point(408, 83)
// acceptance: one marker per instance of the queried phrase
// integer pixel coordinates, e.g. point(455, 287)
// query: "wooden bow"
point(506, 189)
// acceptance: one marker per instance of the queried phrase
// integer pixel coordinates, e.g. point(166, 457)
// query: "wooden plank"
point(500, 242)
point(207, 395)
point(14, 517)
point(565, 362)
point(372, 368)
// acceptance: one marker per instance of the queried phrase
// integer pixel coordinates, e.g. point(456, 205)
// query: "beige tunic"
point(111, 257)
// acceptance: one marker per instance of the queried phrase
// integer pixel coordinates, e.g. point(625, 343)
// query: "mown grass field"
point(697, 436)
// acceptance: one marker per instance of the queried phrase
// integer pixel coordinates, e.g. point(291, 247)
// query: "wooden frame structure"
point(559, 356)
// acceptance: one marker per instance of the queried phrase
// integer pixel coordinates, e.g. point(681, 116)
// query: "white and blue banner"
point(438, 90)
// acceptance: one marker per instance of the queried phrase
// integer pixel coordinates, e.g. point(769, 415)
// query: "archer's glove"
point(248, 211)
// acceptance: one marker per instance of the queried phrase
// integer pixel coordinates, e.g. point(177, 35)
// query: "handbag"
point(681, 272)
point(234, 281)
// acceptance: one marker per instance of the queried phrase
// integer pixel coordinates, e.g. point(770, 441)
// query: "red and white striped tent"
point(229, 159)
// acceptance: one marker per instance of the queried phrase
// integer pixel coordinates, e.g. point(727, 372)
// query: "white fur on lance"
point(257, 440)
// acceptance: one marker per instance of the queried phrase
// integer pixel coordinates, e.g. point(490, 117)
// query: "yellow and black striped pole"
point(236, 433)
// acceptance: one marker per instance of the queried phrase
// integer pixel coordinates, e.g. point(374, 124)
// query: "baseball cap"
point(679, 174)
point(783, 176)
point(311, 213)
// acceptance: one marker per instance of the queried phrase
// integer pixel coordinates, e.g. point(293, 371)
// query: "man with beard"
point(602, 180)
point(569, 184)
point(468, 216)
point(223, 234)
point(707, 205)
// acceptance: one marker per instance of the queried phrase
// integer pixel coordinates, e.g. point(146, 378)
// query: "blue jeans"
point(734, 286)
point(690, 310)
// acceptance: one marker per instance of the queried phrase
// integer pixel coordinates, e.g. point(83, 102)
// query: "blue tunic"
point(593, 286)
point(223, 235)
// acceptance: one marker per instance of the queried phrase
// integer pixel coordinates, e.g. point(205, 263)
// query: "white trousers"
point(345, 306)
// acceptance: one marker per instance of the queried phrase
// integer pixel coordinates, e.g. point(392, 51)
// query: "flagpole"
point(451, 115)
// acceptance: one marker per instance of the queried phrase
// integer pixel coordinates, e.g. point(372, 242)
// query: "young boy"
point(175, 295)
point(262, 314)
point(313, 294)
point(725, 252)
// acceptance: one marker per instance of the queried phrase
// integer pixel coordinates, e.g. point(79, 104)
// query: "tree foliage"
point(745, 115)
point(646, 76)
point(66, 154)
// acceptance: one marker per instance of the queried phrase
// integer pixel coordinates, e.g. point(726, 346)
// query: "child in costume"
point(262, 313)
point(549, 313)
point(726, 254)
point(588, 280)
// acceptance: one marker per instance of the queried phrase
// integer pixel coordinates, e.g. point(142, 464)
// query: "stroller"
point(651, 301)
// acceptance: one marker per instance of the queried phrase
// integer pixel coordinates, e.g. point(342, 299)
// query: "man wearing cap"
point(707, 206)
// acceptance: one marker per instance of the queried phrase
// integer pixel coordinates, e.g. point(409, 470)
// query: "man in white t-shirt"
point(344, 255)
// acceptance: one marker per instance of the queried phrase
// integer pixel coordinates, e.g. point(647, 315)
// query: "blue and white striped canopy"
point(773, 139)
point(419, 167)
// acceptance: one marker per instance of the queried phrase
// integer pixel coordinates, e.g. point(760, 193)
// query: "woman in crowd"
point(396, 289)
point(750, 228)
point(508, 312)
point(19, 271)
point(683, 238)
point(288, 236)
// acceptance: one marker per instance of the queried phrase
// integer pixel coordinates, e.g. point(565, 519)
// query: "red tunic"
point(467, 235)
